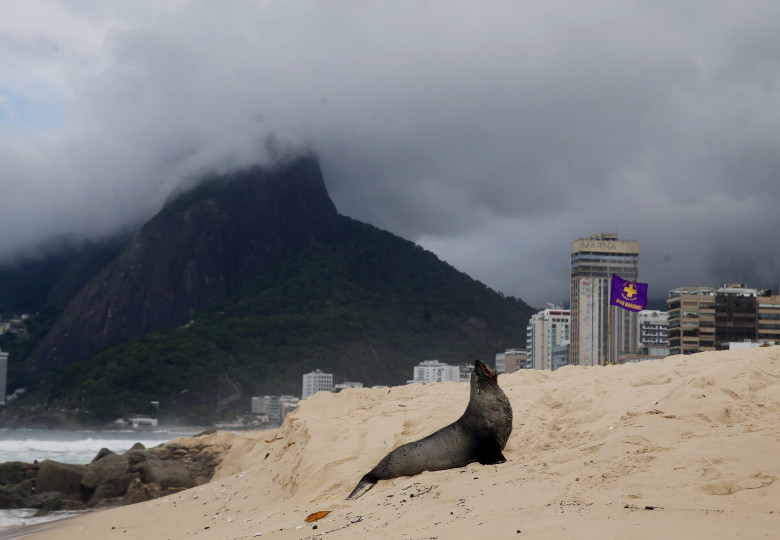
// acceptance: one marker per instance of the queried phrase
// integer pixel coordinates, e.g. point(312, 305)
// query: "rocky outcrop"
point(58, 477)
point(111, 479)
point(16, 482)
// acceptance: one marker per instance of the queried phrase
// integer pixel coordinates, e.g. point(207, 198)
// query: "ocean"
point(66, 446)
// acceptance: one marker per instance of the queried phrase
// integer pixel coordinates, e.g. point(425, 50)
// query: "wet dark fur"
point(479, 435)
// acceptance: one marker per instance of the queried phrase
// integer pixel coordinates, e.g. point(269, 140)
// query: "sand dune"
point(686, 447)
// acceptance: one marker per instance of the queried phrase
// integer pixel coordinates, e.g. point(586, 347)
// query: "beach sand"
point(685, 447)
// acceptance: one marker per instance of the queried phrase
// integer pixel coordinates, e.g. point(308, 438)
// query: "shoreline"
point(105, 429)
point(27, 529)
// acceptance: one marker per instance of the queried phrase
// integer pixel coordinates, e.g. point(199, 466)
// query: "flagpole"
point(609, 325)
point(609, 331)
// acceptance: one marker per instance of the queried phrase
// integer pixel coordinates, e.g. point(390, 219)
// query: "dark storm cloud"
point(493, 134)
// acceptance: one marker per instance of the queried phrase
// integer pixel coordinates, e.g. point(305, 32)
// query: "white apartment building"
point(434, 371)
point(653, 328)
point(547, 330)
point(316, 381)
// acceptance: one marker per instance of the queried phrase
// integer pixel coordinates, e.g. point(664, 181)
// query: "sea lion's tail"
point(366, 483)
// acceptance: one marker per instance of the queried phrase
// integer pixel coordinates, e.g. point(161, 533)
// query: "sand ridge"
point(680, 447)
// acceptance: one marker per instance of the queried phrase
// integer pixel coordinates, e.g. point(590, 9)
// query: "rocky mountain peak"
point(187, 257)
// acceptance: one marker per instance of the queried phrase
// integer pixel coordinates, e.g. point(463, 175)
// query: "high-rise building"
point(316, 381)
point(3, 375)
point(546, 330)
point(593, 261)
point(653, 328)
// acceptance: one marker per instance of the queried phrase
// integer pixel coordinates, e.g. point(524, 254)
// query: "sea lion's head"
point(483, 376)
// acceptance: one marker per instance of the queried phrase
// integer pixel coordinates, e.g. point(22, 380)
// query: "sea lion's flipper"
point(366, 483)
point(493, 458)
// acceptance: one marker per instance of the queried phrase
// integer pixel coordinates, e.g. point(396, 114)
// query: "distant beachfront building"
point(501, 362)
point(316, 381)
point(465, 372)
point(708, 319)
point(593, 261)
point(346, 384)
point(653, 328)
point(511, 360)
point(515, 359)
point(434, 371)
point(547, 330)
point(287, 404)
point(3, 375)
point(260, 405)
point(275, 408)
point(142, 421)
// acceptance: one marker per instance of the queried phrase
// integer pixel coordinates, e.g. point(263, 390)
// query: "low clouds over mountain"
point(493, 134)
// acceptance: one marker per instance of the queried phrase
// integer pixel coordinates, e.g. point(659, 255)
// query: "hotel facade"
point(593, 261)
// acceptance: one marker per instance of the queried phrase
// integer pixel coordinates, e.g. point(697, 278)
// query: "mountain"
point(241, 285)
point(191, 254)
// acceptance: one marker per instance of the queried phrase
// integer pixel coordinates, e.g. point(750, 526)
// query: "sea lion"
point(479, 435)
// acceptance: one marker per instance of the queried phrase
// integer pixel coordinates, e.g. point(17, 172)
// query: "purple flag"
point(630, 295)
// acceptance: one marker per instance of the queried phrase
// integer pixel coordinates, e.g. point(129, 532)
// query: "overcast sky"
point(492, 133)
